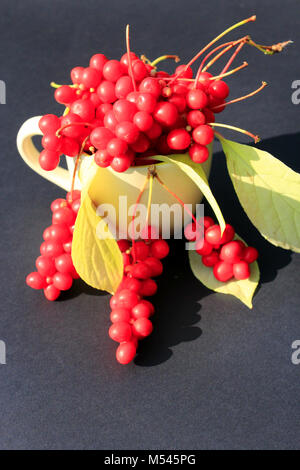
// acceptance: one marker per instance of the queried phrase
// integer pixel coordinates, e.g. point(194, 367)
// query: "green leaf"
point(243, 290)
point(269, 192)
point(197, 175)
point(98, 261)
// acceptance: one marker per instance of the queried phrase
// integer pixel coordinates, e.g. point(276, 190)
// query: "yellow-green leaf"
point(269, 192)
point(197, 175)
point(243, 290)
point(98, 261)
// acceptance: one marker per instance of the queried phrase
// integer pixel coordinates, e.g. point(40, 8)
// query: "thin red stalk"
point(233, 57)
point(76, 165)
point(241, 98)
point(129, 58)
point(73, 124)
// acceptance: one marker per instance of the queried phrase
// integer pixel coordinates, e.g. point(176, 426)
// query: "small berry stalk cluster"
point(55, 270)
point(130, 315)
point(227, 257)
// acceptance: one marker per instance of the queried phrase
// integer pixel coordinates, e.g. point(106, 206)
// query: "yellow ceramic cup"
point(108, 185)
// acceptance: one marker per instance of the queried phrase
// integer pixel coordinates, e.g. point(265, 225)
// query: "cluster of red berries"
point(130, 312)
point(124, 110)
point(229, 258)
point(55, 269)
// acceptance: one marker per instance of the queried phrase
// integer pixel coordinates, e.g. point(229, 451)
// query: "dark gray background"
point(213, 374)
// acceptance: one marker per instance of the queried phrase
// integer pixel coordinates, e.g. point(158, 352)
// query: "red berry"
point(102, 158)
point(142, 327)
point(51, 249)
point(141, 251)
point(113, 70)
point(62, 281)
point(49, 124)
point(59, 233)
point(45, 266)
point(241, 270)
point(139, 70)
point(72, 196)
point(196, 99)
point(150, 85)
point(223, 271)
point(120, 315)
point(100, 136)
point(74, 127)
point(124, 110)
point(64, 215)
point(51, 142)
point(199, 153)
point(219, 89)
point(126, 352)
point(106, 92)
point(127, 260)
point(110, 121)
point(159, 249)
point(179, 139)
point(250, 254)
point(195, 118)
point(124, 245)
point(126, 299)
point(155, 265)
point(146, 102)
point(141, 145)
point(149, 304)
point(97, 61)
point(121, 163)
point(83, 108)
point(188, 73)
point(91, 77)
point(165, 113)
point(143, 120)
point(213, 234)
point(49, 160)
point(231, 252)
point(203, 135)
point(141, 310)
point(132, 284)
point(154, 132)
point(203, 247)
point(120, 331)
point(76, 74)
point(123, 87)
point(51, 292)
point(116, 147)
point(148, 288)
point(127, 131)
point(140, 270)
point(57, 204)
point(211, 259)
point(36, 281)
point(64, 263)
point(69, 147)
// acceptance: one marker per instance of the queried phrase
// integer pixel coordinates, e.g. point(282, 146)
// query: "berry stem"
point(178, 199)
point(241, 98)
point(165, 57)
point(269, 50)
point(134, 214)
point(236, 25)
point(244, 64)
point(237, 129)
point(129, 58)
point(240, 46)
point(149, 196)
point(58, 132)
point(76, 166)
point(145, 59)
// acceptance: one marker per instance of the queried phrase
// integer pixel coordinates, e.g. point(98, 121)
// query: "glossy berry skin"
point(241, 270)
point(51, 142)
point(188, 73)
point(165, 113)
point(131, 283)
point(150, 85)
point(148, 288)
point(64, 215)
point(48, 160)
point(121, 163)
point(213, 234)
point(203, 135)
point(126, 299)
point(143, 121)
point(100, 137)
point(142, 327)
point(195, 118)
point(211, 259)
point(120, 315)
point(231, 252)
point(113, 70)
point(91, 77)
point(83, 108)
point(58, 233)
point(65, 95)
point(120, 331)
point(219, 89)
point(45, 266)
point(126, 352)
point(141, 310)
point(102, 158)
point(69, 147)
point(36, 281)
point(203, 247)
point(199, 153)
point(51, 248)
point(123, 87)
point(51, 292)
point(250, 254)
point(124, 110)
point(196, 99)
point(141, 250)
point(106, 91)
point(155, 265)
point(116, 147)
point(155, 131)
point(146, 102)
point(159, 249)
point(57, 204)
point(62, 281)
point(76, 74)
point(179, 139)
point(140, 270)
point(124, 245)
point(74, 128)
point(149, 304)
point(49, 124)
point(127, 131)
point(97, 61)
point(223, 272)
point(64, 263)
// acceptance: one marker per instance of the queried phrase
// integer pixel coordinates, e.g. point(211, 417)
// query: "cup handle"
point(30, 154)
